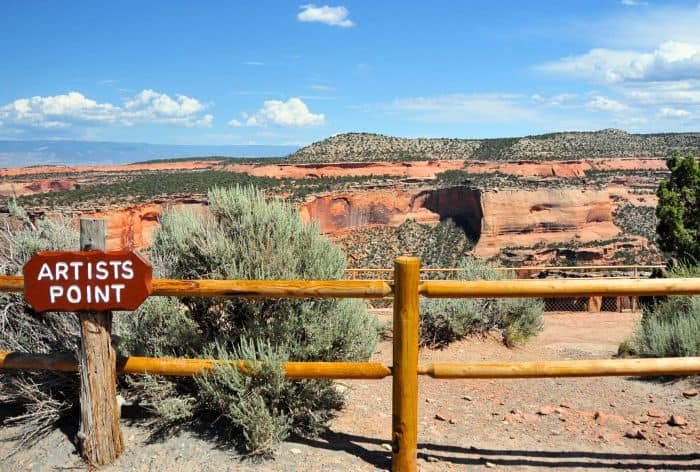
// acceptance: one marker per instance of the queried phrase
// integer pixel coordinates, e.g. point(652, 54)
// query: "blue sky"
point(273, 72)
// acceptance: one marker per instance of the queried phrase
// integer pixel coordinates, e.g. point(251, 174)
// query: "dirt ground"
point(533, 424)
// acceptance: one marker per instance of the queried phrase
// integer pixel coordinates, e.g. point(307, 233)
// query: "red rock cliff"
point(132, 227)
point(497, 219)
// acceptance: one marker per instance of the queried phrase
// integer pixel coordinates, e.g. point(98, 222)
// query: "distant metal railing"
point(551, 304)
point(521, 272)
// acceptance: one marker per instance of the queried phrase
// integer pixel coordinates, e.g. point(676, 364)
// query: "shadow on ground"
point(556, 460)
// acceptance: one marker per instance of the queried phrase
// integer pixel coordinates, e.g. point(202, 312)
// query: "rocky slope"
point(363, 147)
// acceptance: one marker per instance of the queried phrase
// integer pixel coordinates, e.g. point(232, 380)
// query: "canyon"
point(520, 223)
point(524, 210)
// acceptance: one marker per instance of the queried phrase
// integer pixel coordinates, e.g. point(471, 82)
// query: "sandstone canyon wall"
point(133, 227)
point(526, 218)
point(496, 219)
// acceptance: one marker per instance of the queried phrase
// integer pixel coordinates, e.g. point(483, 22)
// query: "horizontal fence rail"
point(428, 288)
point(190, 367)
point(557, 288)
point(250, 288)
point(542, 369)
point(177, 367)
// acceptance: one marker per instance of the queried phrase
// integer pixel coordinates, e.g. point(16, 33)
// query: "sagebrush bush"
point(44, 397)
point(252, 401)
point(449, 319)
point(244, 236)
point(670, 326)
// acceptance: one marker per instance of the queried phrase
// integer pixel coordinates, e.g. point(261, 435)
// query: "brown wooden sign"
point(87, 281)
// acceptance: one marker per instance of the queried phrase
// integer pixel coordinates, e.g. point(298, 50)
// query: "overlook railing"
point(520, 272)
point(405, 369)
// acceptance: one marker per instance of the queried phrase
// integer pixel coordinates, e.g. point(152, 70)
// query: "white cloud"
point(316, 97)
point(600, 103)
point(56, 111)
point(667, 76)
point(600, 64)
point(632, 3)
point(634, 28)
point(670, 61)
point(579, 111)
point(235, 123)
point(291, 114)
point(204, 122)
point(254, 63)
point(64, 111)
point(677, 113)
point(461, 108)
point(681, 92)
point(561, 99)
point(334, 16)
point(161, 104)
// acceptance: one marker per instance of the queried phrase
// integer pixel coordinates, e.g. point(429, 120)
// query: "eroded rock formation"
point(30, 187)
point(526, 218)
point(495, 219)
point(547, 207)
point(132, 227)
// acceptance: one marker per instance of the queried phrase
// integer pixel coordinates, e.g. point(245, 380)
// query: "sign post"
point(92, 283)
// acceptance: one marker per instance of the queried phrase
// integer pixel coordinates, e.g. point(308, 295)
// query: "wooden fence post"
point(100, 438)
point(405, 368)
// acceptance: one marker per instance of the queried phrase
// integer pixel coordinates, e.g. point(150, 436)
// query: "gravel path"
point(538, 424)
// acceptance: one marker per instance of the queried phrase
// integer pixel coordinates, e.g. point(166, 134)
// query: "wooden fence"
point(405, 369)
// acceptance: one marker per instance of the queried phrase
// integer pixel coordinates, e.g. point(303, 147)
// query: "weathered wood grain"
point(100, 438)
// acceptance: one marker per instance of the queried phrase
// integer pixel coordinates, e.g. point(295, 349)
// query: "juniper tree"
point(678, 210)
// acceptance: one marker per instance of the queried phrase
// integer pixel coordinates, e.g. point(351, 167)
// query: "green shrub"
point(48, 396)
point(254, 404)
point(244, 236)
point(670, 326)
point(519, 319)
point(446, 320)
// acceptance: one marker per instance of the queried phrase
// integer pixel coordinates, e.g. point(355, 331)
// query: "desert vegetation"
point(678, 210)
point(243, 236)
point(218, 160)
point(41, 399)
point(362, 147)
point(444, 320)
point(438, 246)
point(490, 181)
point(670, 326)
point(143, 187)
point(636, 219)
